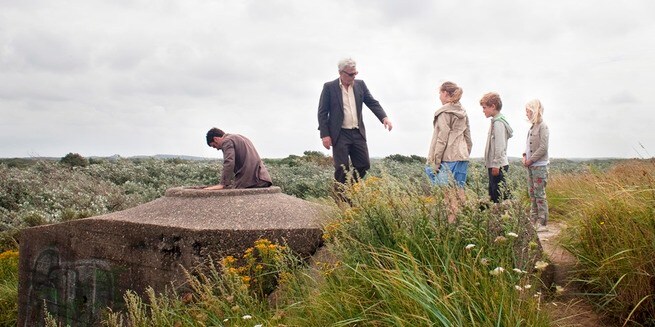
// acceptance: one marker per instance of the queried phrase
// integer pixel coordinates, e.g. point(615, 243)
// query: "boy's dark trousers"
point(498, 186)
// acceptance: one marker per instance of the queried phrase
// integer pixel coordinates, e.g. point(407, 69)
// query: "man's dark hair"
point(214, 132)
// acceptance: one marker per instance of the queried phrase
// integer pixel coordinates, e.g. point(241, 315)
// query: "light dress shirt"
point(349, 107)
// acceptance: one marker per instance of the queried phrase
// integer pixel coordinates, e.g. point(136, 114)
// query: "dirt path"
point(566, 308)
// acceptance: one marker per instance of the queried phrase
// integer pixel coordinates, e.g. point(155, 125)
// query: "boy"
point(495, 153)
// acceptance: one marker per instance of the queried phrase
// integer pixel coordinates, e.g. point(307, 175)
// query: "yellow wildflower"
point(10, 254)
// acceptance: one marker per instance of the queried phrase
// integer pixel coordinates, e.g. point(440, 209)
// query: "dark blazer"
point(330, 108)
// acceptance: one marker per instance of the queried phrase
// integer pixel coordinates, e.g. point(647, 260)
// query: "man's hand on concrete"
point(215, 187)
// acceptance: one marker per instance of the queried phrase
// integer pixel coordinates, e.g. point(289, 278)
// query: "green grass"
point(398, 262)
point(8, 288)
point(612, 218)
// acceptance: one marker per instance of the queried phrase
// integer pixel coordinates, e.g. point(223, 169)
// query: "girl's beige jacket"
point(451, 138)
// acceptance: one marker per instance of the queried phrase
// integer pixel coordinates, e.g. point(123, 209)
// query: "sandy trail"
point(566, 308)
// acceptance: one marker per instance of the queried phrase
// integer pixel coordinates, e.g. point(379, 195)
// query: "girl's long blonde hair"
point(537, 111)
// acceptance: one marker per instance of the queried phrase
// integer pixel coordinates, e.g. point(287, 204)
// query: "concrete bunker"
point(78, 268)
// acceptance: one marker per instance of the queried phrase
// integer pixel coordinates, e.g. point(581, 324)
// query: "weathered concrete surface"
point(78, 268)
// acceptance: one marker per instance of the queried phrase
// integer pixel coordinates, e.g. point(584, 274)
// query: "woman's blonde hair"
point(537, 111)
point(454, 92)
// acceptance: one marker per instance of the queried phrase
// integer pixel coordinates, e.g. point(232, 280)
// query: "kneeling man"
point(242, 166)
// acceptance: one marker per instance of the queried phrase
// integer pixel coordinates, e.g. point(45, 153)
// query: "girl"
point(535, 159)
point(451, 144)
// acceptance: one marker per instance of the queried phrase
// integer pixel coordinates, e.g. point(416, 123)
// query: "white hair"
point(346, 62)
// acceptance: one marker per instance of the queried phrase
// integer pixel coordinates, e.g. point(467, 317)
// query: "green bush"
point(74, 160)
point(406, 159)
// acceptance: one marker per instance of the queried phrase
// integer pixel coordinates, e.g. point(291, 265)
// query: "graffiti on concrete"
point(72, 292)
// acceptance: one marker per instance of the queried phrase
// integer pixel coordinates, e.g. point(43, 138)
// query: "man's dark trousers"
point(351, 144)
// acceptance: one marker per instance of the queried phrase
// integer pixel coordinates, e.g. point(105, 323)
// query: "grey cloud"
point(622, 98)
point(42, 50)
point(175, 68)
point(122, 56)
point(34, 88)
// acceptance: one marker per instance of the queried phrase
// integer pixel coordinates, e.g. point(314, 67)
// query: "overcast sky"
point(132, 77)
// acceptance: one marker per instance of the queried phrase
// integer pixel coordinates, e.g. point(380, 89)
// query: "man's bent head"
point(211, 134)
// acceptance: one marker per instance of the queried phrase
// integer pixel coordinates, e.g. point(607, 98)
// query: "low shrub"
point(74, 160)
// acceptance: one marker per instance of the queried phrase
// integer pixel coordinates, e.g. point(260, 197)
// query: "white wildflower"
point(527, 286)
point(497, 271)
point(518, 288)
point(470, 246)
point(484, 261)
point(500, 239)
point(520, 271)
point(246, 317)
point(540, 265)
point(258, 325)
point(559, 289)
point(512, 234)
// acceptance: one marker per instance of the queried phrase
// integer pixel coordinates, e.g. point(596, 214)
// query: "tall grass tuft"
point(399, 262)
point(612, 214)
point(8, 288)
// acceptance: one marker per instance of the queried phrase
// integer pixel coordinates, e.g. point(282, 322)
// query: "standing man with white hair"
point(340, 120)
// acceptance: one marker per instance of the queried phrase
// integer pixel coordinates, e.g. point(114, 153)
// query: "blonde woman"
point(535, 159)
point(451, 144)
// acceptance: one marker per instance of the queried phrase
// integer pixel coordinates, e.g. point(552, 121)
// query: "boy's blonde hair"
point(490, 99)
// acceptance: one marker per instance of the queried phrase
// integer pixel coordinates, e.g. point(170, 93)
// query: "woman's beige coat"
point(451, 138)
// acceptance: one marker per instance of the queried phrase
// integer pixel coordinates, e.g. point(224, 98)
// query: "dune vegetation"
point(611, 214)
point(403, 254)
